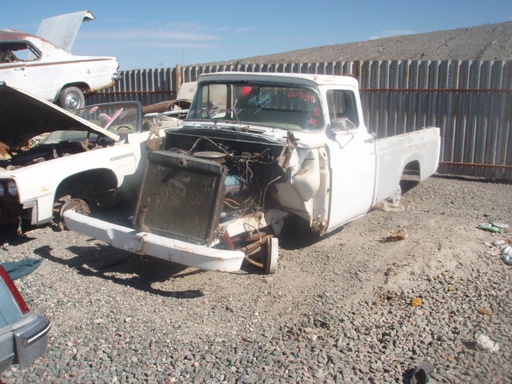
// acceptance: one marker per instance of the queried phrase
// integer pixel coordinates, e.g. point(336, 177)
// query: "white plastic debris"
point(485, 342)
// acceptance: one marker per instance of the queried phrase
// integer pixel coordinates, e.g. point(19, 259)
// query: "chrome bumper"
point(144, 243)
point(31, 340)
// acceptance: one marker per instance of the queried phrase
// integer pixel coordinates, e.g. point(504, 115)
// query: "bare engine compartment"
point(29, 155)
point(203, 178)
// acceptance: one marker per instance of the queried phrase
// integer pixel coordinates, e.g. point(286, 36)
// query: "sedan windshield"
point(279, 106)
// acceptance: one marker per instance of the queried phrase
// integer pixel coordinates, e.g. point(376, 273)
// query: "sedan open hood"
point(24, 116)
point(62, 30)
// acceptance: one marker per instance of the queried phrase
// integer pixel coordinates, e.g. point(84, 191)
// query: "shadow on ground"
point(123, 268)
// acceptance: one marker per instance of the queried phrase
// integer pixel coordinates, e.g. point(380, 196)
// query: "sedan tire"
point(71, 98)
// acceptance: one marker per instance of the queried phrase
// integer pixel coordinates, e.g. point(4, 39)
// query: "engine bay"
point(46, 150)
point(206, 178)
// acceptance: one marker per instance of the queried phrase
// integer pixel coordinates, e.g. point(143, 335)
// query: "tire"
point(71, 98)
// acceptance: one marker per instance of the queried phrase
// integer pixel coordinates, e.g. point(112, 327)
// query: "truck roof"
point(304, 79)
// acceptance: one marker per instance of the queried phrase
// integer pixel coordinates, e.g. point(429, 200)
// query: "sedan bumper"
point(144, 243)
point(31, 340)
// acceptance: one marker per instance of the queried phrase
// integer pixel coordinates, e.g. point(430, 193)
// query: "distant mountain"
point(485, 42)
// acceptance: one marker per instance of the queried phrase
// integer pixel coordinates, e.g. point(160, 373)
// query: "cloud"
point(392, 32)
point(242, 30)
point(171, 31)
point(180, 45)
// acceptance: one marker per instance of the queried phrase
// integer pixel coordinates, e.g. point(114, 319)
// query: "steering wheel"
point(111, 119)
point(126, 128)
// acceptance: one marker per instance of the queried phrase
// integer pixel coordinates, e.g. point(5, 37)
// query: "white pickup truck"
point(50, 157)
point(256, 152)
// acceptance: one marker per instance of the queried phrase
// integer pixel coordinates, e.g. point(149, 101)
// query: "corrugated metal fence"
point(471, 101)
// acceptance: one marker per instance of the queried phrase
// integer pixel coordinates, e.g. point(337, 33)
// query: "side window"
point(342, 110)
point(12, 52)
point(213, 101)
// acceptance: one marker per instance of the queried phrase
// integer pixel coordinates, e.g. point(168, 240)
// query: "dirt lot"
point(324, 317)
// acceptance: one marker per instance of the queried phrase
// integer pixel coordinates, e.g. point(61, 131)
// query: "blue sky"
point(153, 34)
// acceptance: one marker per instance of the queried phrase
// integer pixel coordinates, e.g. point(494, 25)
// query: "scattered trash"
point(421, 373)
point(397, 235)
point(499, 243)
point(417, 302)
point(484, 311)
point(505, 249)
point(500, 225)
point(386, 206)
point(18, 269)
point(484, 342)
point(490, 228)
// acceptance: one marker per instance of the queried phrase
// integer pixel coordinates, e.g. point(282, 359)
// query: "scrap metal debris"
point(400, 234)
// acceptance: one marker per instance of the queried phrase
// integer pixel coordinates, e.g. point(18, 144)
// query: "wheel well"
point(411, 176)
point(94, 186)
point(80, 84)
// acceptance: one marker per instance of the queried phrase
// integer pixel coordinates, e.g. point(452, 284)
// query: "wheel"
point(272, 255)
point(71, 98)
point(67, 202)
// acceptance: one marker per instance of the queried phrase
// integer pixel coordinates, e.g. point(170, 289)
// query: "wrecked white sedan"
point(43, 65)
point(50, 158)
point(256, 152)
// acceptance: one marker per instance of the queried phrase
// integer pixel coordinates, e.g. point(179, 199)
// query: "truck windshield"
point(279, 106)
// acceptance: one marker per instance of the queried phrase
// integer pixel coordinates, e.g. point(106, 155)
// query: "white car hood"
point(24, 116)
point(62, 30)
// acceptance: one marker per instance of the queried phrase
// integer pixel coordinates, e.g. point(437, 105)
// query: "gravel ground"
point(337, 311)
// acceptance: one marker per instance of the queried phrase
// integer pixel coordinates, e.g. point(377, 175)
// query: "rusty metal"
point(165, 106)
point(246, 237)
point(475, 165)
point(12, 34)
point(259, 254)
point(252, 247)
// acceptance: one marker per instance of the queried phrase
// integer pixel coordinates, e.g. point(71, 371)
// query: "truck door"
point(352, 159)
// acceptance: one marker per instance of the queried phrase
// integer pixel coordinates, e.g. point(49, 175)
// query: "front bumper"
point(144, 243)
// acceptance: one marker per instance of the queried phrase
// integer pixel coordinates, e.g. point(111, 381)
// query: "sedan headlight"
point(12, 188)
